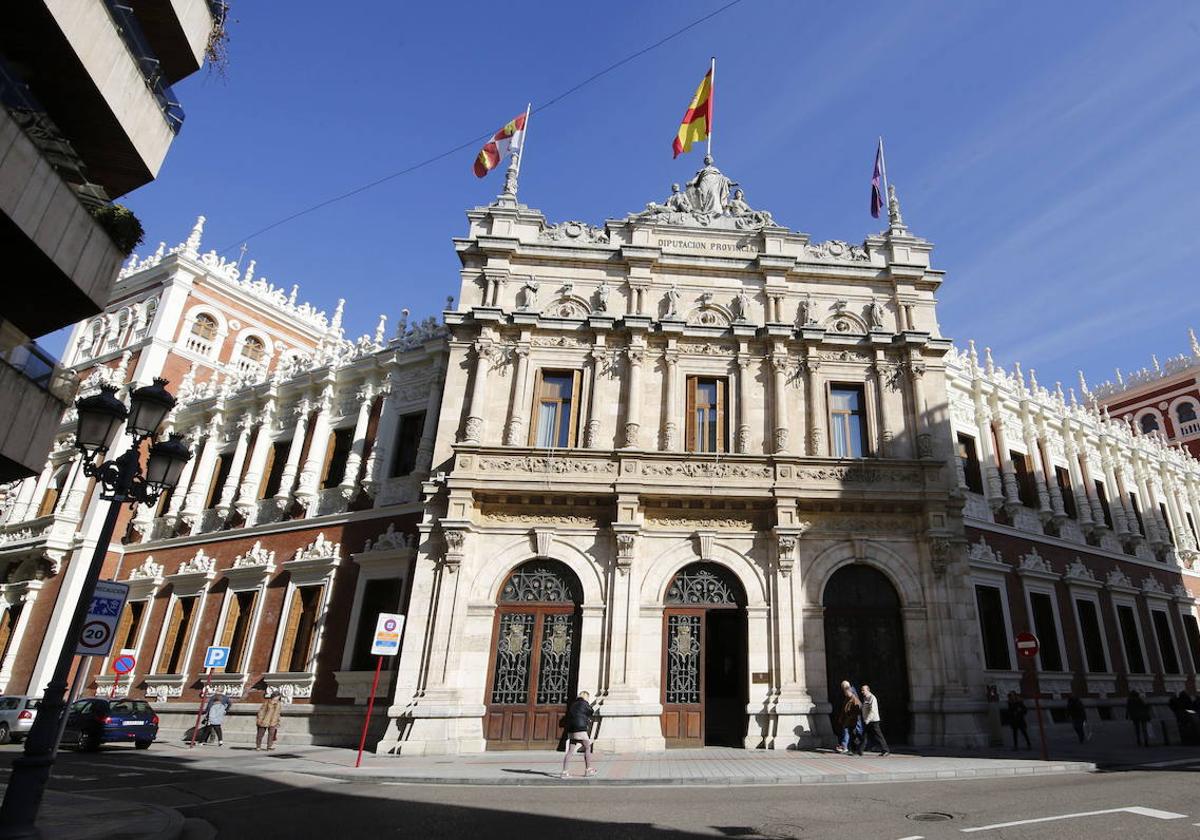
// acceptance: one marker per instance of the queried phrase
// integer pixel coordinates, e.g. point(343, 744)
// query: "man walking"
point(1078, 716)
point(870, 713)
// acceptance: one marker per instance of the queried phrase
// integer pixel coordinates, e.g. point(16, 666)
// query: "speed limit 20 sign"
point(96, 637)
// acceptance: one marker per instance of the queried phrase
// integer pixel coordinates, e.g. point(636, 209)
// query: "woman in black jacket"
point(579, 724)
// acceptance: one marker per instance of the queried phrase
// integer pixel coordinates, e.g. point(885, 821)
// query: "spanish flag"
point(495, 149)
point(697, 120)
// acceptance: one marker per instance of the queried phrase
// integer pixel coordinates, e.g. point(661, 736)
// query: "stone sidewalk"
point(70, 816)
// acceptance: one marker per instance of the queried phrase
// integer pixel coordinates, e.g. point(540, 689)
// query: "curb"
point(521, 780)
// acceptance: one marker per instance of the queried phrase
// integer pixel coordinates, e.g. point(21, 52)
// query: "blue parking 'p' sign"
point(216, 657)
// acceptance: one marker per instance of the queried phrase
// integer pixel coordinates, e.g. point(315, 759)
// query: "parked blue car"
point(97, 720)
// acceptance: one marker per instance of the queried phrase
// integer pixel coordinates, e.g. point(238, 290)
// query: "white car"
point(16, 717)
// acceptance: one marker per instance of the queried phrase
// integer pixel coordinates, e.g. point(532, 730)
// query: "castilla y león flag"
point(495, 149)
point(697, 120)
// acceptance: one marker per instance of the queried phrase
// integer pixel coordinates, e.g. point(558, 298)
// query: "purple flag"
point(877, 199)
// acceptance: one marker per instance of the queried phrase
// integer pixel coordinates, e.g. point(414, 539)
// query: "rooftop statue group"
point(706, 201)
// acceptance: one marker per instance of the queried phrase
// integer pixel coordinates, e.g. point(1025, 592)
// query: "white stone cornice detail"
point(1118, 581)
point(149, 570)
point(201, 564)
point(318, 549)
point(390, 540)
point(256, 557)
point(1152, 588)
point(983, 556)
point(314, 562)
point(1034, 565)
point(1080, 575)
point(1181, 593)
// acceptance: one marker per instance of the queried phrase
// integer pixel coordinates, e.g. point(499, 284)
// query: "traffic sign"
point(1027, 645)
point(96, 637)
point(124, 664)
point(387, 634)
point(216, 657)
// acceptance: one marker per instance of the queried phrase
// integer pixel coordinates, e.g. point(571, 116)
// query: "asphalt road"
point(239, 804)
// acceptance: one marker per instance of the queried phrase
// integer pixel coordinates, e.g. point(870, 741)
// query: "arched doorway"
point(535, 657)
point(864, 643)
point(704, 675)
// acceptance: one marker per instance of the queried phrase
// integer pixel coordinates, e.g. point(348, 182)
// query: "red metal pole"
point(200, 710)
point(1037, 704)
point(362, 742)
point(116, 679)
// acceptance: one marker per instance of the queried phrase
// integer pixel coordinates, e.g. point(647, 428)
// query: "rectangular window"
point(993, 629)
point(301, 629)
point(1026, 490)
point(969, 459)
point(164, 501)
point(1162, 508)
point(1166, 641)
point(1135, 662)
point(847, 421)
point(1093, 641)
point(408, 439)
point(1191, 629)
point(340, 441)
point(1102, 495)
point(556, 410)
point(1137, 513)
point(1063, 478)
point(276, 464)
point(238, 623)
point(129, 626)
point(1191, 527)
point(706, 411)
point(8, 626)
point(53, 492)
point(179, 625)
point(380, 595)
point(1047, 631)
point(224, 462)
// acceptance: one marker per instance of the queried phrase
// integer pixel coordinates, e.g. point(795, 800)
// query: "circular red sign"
point(94, 634)
point(1027, 645)
point(124, 664)
point(389, 624)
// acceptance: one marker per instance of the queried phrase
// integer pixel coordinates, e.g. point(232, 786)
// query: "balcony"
point(178, 32)
point(29, 378)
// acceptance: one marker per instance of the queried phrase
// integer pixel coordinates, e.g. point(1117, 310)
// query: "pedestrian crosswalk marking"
point(1134, 809)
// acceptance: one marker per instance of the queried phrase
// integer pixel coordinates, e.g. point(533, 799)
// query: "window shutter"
point(689, 424)
point(287, 648)
point(330, 449)
point(123, 626)
point(7, 624)
point(231, 618)
point(572, 440)
point(173, 619)
point(721, 415)
point(533, 411)
point(268, 467)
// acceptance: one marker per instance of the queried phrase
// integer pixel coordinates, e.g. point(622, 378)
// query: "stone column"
point(225, 502)
point(366, 401)
point(1008, 476)
point(816, 406)
point(779, 369)
point(380, 458)
point(473, 429)
point(1171, 489)
point(988, 457)
point(743, 429)
point(884, 432)
point(1057, 511)
point(429, 428)
point(1079, 483)
point(633, 396)
point(514, 435)
point(76, 487)
point(193, 505)
point(283, 496)
point(1037, 464)
point(185, 478)
point(247, 498)
point(670, 432)
point(915, 367)
point(598, 355)
point(33, 490)
point(310, 474)
point(1116, 502)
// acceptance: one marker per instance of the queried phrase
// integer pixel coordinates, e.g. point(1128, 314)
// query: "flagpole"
point(524, 133)
point(883, 171)
point(712, 89)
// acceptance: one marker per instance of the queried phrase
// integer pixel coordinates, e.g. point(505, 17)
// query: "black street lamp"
point(122, 481)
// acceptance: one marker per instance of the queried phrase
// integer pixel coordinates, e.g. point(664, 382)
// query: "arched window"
point(91, 346)
point(205, 326)
point(1186, 412)
point(1149, 423)
point(253, 348)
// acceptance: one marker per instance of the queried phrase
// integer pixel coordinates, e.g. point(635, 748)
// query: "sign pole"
point(1037, 704)
point(200, 711)
point(80, 671)
point(362, 742)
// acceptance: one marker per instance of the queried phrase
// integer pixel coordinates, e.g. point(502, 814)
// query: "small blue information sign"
point(216, 657)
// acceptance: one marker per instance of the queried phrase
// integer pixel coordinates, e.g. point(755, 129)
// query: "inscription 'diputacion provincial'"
point(742, 246)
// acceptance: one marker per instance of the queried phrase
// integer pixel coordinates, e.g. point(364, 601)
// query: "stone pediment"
point(709, 200)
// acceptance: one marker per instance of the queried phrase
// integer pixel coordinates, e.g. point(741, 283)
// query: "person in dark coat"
point(849, 720)
point(1078, 716)
point(579, 725)
point(1138, 712)
point(1017, 711)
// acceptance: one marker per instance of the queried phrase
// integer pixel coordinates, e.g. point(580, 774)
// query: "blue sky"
point(1047, 149)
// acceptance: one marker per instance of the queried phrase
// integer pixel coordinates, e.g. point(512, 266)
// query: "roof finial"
point(1120, 378)
point(249, 272)
point(192, 246)
point(895, 220)
point(1074, 402)
point(1157, 367)
point(1083, 386)
point(1058, 395)
point(987, 361)
point(1020, 376)
point(336, 324)
point(379, 329)
point(292, 296)
point(1195, 343)
point(1033, 383)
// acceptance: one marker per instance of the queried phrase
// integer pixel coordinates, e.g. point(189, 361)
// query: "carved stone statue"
point(672, 299)
point(602, 296)
point(746, 217)
point(804, 315)
point(676, 203)
point(875, 315)
point(743, 303)
point(709, 190)
point(529, 294)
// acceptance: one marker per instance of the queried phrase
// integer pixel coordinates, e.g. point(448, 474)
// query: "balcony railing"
point(135, 39)
point(29, 359)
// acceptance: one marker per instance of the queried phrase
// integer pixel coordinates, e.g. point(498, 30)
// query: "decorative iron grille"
point(683, 658)
point(513, 647)
point(538, 583)
point(702, 585)
point(554, 667)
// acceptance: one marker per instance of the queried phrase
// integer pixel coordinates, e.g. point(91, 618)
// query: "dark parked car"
point(96, 720)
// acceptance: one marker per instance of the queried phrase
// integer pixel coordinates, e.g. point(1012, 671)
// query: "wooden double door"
point(534, 672)
point(704, 676)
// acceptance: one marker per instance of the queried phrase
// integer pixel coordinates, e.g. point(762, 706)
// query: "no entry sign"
point(1027, 645)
